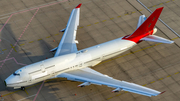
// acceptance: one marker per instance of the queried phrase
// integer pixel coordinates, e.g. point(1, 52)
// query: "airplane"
point(73, 64)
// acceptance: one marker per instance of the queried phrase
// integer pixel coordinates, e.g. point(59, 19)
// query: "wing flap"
point(94, 77)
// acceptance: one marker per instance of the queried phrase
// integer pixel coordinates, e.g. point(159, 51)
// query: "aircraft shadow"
point(7, 39)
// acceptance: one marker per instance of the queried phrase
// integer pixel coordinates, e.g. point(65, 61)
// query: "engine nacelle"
point(53, 50)
point(84, 84)
point(76, 41)
point(62, 30)
point(117, 90)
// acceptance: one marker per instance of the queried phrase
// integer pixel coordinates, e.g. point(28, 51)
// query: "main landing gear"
point(23, 88)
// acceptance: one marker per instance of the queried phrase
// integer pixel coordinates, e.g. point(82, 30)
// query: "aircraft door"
point(53, 73)
point(42, 66)
point(80, 64)
point(30, 79)
point(102, 57)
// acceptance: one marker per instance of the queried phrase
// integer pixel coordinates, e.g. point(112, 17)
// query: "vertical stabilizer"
point(146, 28)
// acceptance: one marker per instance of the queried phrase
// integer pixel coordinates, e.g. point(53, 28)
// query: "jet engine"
point(62, 30)
point(84, 84)
point(117, 90)
point(53, 50)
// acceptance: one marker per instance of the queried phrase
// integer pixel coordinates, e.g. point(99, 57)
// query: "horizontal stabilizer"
point(155, 38)
point(142, 18)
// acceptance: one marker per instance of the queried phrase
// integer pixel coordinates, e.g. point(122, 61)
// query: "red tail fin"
point(146, 28)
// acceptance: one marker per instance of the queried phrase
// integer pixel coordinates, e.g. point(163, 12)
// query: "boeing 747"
point(73, 64)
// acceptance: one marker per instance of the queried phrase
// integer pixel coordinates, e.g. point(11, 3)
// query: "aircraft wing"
point(68, 42)
point(89, 76)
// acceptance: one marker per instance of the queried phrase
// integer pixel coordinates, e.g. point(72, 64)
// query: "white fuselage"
point(52, 67)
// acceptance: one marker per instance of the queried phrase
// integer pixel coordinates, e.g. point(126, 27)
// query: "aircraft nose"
point(9, 81)
point(6, 82)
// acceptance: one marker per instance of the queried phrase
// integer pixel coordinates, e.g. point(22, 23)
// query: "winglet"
point(162, 92)
point(78, 6)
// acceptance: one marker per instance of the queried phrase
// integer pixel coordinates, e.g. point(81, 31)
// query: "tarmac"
point(30, 28)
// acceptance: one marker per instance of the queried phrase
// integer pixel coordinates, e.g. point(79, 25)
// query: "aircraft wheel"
point(23, 88)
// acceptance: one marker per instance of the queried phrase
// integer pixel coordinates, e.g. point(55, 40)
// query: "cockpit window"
point(17, 73)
